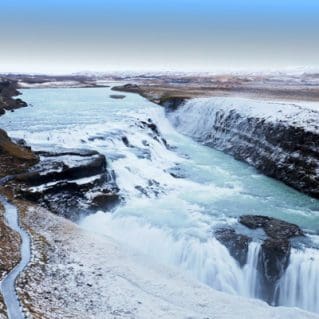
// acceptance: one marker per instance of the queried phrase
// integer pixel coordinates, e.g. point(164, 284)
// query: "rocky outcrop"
point(273, 227)
point(168, 99)
point(70, 183)
point(14, 158)
point(132, 88)
point(8, 90)
point(153, 131)
point(273, 258)
point(172, 103)
point(275, 250)
point(117, 96)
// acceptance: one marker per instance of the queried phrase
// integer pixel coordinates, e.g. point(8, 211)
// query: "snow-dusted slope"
point(88, 276)
point(280, 139)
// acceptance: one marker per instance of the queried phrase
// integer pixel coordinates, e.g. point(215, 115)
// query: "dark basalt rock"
point(63, 182)
point(132, 88)
point(274, 228)
point(71, 152)
point(126, 141)
point(60, 171)
point(275, 251)
point(154, 131)
point(176, 172)
point(151, 126)
point(117, 96)
point(172, 103)
point(274, 254)
point(274, 260)
point(237, 244)
point(106, 201)
point(277, 148)
point(8, 90)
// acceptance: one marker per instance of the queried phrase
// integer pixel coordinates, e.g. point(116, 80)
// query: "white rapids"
point(174, 198)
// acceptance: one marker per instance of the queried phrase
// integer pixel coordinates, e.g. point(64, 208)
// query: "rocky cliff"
point(280, 139)
point(8, 90)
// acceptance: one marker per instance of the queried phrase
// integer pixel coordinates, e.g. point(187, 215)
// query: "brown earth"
point(14, 158)
point(303, 87)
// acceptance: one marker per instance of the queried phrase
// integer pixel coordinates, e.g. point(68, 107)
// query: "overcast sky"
point(62, 36)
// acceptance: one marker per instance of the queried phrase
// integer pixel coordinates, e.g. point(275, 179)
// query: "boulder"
point(274, 228)
point(106, 201)
point(117, 96)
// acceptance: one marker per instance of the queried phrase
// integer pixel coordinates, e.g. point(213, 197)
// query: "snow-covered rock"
point(280, 139)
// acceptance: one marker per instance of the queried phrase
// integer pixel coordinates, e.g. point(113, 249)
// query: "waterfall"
point(172, 219)
point(211, 263)
point(250, 272)
point(299, 287)
point(206, 260)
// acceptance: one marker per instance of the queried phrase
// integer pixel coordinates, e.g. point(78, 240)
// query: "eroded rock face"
point(275, 257)
point(8, 90)
point(70, 183)
point(282, 141)
point(274, 260)
point(237, 244)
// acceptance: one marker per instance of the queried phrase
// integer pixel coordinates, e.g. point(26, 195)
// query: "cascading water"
point(299, 287)
point(169, 217)
point(206, 260)
point(251, 276)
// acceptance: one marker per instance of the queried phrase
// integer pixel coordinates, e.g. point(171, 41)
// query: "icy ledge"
point(279, 139)
point(88, 276)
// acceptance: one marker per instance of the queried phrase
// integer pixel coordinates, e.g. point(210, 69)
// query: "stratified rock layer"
point(281, 140)
point(70, 183)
